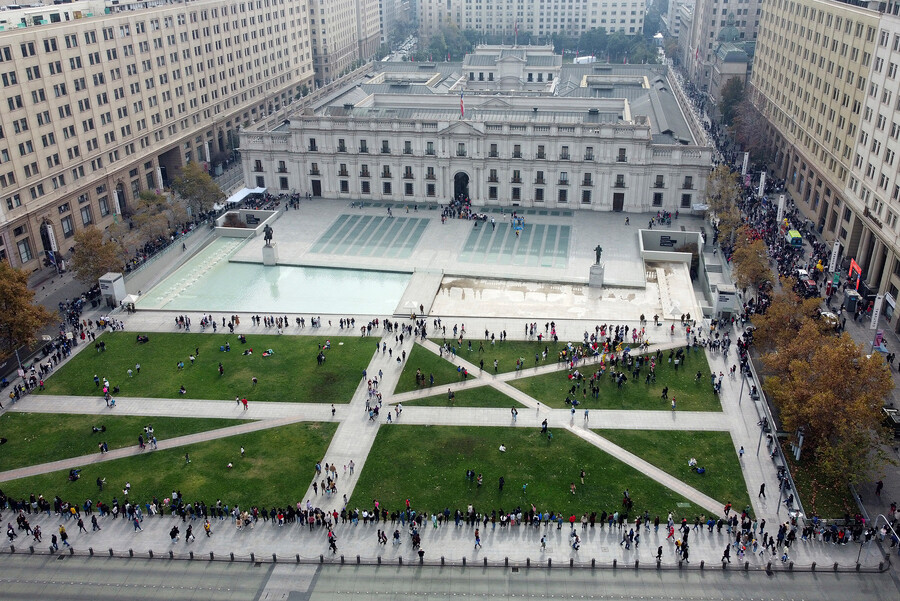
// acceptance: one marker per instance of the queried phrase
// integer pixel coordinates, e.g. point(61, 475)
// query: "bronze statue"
point(598, 251)
point(267, 234)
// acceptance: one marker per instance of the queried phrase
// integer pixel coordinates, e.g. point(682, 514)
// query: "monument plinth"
point(270, 254)
point(595, 280)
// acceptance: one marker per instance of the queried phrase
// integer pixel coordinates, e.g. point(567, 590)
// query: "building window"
point(589, 153)
point(430, 190)
point(493, 152)
point(540, 152)
point(363, 147)
point(688, 182)
point(429, 148)
point(260, 181)
point(67, 227)
point(345, 186)
point(585, 197)
point(386, 187)
point(621, 158)
point(365, 188)
point(517, 151)
point(657, 199)
point(385, 147)
point(86, 217)
point(564, 153)
point(563, 196)
point(342, 147)
point(283, 183)
point(660, 182)
point(408, 188)
point(104, 206)
point(257, 166)
point(407, 147)
point(312, 145)
point(24, 246)
point(492, 192)
point(461, 149)
point(620, 181)
point(282, 167)
point(685, 201)
point(538, 195)
point(517, 194)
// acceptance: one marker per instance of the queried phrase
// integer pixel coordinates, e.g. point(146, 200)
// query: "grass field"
point(421, 358)
point(506, 352)
point(277, 470)
point(34, 438)
point(817, 497)
point(671, 450)
point(434, 461)
point(481, 396)
point(291, 374)
point(551, 389)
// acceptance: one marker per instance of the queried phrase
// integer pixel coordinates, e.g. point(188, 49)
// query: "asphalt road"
point(97, 579)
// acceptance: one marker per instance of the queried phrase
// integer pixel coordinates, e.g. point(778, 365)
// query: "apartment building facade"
point(709, 18)
point(541, 18)
point(97, 109)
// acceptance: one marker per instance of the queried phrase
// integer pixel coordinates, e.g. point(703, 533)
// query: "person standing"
point(477, 538)
point(762, 491)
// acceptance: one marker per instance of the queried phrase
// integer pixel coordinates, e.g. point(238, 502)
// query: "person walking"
point(477, 538)
point(137, 524)
point(762, 491)
point(726, 556)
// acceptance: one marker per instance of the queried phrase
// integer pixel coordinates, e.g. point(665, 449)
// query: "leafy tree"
point(94, 256)
point(785, 316)
point(155, 215)
point(751, 260)
point(20, 318)
point(749, 129)
point(731, 96)
point(197, 188)
point(594, 42)
point(722, 193)
point(827, 388)
point(617, 45)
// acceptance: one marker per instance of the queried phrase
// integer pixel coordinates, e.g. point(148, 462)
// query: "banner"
point(780, 213)
point(876, 312)
point(762, 183)
point(746, 161)
point(835, 251)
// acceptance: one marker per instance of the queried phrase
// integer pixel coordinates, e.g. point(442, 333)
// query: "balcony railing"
point(363, 150)
point(282, 170)
point(408, 175)
point(365, 173)
point(516, 180)
point(564, 156)
point(493, 154)
point(493, 179)
point(619, 184)
point(385, 174)
point(587, 182)
point(314, 172)
point(563, 182)
point(344, 173)
point(407, 151)
point(659, 185)
point(460, 153)
point(385, 150)
point(430, 152)
point(589, 157)
point(540, 180)
point(517, 155)
point(430, 176)
point(541, 155)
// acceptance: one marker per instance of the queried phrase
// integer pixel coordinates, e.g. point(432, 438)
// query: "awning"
point(243, 193)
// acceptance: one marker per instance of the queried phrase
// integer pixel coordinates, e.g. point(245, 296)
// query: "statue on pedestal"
point(267, 235)
point(598, 250)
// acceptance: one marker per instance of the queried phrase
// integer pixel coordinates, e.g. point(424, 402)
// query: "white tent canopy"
point(243, 193)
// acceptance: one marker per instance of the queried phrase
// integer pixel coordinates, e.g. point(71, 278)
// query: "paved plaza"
point(327, 238)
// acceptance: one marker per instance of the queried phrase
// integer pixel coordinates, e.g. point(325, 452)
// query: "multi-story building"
point(541, 18)
point(98, 108)
point(672, 18)
point(344, 32)
point(389, 17)
point(601, 137)
point(709, 18)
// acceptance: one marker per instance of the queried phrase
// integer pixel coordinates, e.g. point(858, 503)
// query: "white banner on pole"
point(780, 213)
point(835, 251)
point(762, 183)
point(876, 312)
point(746, 161)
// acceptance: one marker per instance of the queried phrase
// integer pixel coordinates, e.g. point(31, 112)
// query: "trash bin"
point(851, 300)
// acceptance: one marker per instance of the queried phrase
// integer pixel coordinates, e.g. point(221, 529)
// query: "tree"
point(828, 389)
point(731, 96)
point(722, 193)
point(95, 256)
point(197, 188)
point(749, 129)
point(750, 260)
point(154, 216)
point(786, 314)
point(20, 318)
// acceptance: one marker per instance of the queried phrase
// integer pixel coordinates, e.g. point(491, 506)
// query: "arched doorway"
point(461, 185)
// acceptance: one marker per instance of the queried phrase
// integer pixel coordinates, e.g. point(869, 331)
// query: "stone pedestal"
point(596, 278)
point(270, 254)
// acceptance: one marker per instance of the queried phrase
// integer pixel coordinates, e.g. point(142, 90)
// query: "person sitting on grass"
point(182, 390)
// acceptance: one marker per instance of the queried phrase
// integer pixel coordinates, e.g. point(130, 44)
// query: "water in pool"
point(209, 282)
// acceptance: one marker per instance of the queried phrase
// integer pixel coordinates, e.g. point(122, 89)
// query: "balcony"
point(408, 175)
point(344, 173)
point(430, 176)
point(313, 148)
point(516, 180)
point(342, 148)
point(587, 182)
point(385, 150)
point(540, 180)
point(363, 150)
point(688, 185)
point(621, 159)
point(493, 179)
point(430, 152)
point(517, 155)
point(282, 170)
point(659, 184)
point(563, 182)
point(386, 174)
point(365, 173)
point(589, 157)
point(564, 156)
point(407, 151)
point(541, 155)
point(619, 184)
point(315, 172)
point(460, 153)
point(493, 154)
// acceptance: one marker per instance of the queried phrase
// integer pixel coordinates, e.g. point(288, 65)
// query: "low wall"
point(660, 245)
point(256, 222)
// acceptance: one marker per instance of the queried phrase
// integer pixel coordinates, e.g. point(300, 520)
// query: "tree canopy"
point(94, 256)
point(197, 188)
point(749, 129)
point(750, 260)
point(731, 96)
point(20, 317)
point(722, 194)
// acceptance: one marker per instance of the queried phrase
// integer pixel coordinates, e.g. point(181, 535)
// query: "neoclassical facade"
point(608, 138)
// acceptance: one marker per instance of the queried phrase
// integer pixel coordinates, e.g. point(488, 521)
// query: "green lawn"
point(551, 389)
point(671, 450)
point(35, 438)
point(430, 364)
point(506, 352)
point(819, 498)
point(435, 460)
point(481, 396)
point(277, 469)
point(291, 374)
